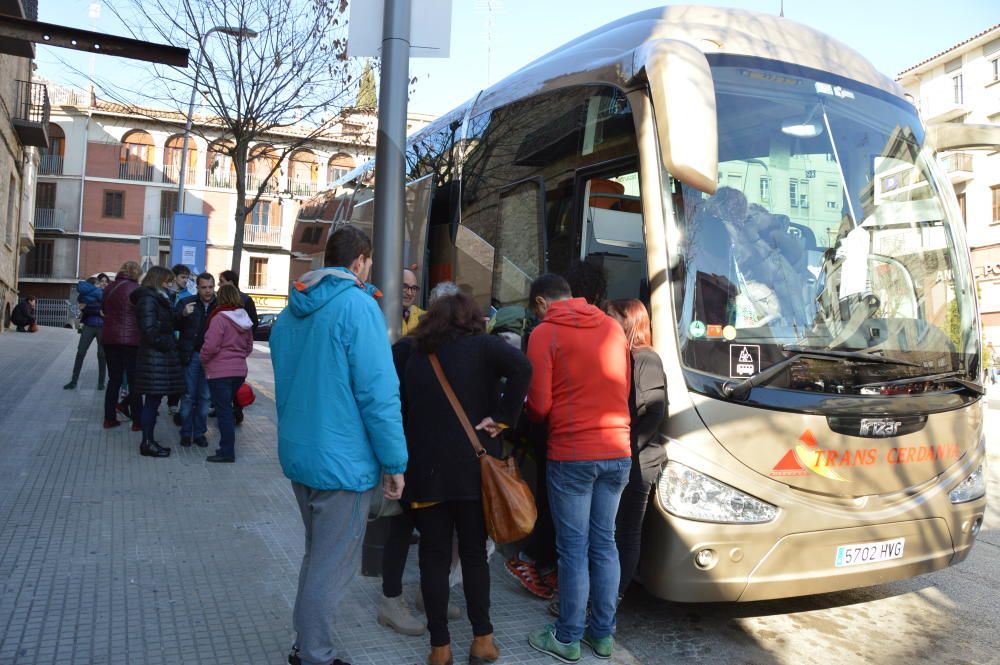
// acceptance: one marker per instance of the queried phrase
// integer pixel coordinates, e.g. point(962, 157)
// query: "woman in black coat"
point(442, 476)
point(158, 369)
point(648, 406)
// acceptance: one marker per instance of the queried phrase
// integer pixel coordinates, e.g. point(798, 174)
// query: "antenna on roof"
point(781, 13)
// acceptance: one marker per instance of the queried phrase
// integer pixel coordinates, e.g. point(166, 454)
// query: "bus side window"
point(520, 256)
point(612, 233)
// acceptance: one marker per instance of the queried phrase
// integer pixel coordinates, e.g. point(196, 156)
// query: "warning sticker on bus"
point(744, 360)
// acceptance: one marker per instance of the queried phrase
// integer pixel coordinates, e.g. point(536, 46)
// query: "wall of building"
point(932, 86)
point(12, 155)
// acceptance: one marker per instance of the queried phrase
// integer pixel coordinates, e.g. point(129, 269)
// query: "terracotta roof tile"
point(948, 50)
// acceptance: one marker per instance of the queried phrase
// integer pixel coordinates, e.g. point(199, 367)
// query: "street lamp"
point(226, 30)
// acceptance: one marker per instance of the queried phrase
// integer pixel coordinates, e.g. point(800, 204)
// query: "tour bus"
point(777, 204)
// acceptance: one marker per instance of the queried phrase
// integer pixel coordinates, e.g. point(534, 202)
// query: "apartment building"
point(109, 178)
point(24, 122)
point(962, 85)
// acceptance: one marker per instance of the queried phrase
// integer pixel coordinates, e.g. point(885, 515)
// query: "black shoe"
point(186, 441)
point(153, 449)
point(70, 386)
point(100, 385)
point(178, 421)
point(201, 441)
point(220, 458)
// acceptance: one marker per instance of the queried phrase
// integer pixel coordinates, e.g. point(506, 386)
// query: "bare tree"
point(291, 81)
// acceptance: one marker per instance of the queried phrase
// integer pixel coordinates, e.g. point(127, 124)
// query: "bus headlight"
point(686, 493)
point(970, 489)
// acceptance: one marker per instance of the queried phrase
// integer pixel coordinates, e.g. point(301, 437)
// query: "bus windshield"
point(828, 231)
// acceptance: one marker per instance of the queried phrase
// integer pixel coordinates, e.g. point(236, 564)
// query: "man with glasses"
point(411, 313)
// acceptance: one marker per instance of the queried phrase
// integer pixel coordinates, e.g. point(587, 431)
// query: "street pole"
point(390, 184)
point(390, 162)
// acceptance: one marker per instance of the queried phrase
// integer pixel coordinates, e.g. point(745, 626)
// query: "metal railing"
point(217, 179)
point(50, 165)
point(258, 234)
point(253, 184)
point(51, 312)
point(303, 188)
point(166, 226)
point(49, 219)
point(32, 103)
point(135, 170)
point(172, 174)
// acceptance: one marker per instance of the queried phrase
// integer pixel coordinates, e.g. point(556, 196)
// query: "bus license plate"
point(884, 550)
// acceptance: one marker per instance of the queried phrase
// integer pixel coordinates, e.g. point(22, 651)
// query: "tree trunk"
point(240, 165)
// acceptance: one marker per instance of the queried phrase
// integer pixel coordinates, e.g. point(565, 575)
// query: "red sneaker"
point(551, 580)
point(527, 575)
point(108, 424)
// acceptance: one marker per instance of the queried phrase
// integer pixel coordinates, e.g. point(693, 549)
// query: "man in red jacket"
point(580, 384)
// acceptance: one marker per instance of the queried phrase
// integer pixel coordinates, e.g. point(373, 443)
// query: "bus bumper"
point(768, 561)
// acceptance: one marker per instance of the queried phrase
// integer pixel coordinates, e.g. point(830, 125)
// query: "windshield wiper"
point(741, 389)
point(948, 377)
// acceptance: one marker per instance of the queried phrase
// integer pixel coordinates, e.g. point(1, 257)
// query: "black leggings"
point(628, 524)
point(397, 547)
point(121, 360)
point(437, 523)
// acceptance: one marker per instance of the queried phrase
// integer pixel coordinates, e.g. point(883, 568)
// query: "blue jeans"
point(584, 500)
point(223, 391)
point(194, 404)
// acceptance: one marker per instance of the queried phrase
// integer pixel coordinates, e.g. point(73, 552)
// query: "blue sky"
point(893, 34)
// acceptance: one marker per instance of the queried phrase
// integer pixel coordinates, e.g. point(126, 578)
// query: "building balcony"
point(136, 170)
point(270, 187)
point(55, 274)
point(258, 234)
point(219, 179)
point(303, 188)
point(31, 114)
point(958, 165)
point(50, 165)
point(941, 111)
point(172, 174)
point(50, 219)
point(166, 226)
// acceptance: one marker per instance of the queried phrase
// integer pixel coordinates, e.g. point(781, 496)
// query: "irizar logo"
point(879, 427)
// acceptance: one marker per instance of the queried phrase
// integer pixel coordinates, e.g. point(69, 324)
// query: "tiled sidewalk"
point(107, 557)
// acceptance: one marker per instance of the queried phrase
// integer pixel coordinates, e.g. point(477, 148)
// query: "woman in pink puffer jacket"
point(228, 342)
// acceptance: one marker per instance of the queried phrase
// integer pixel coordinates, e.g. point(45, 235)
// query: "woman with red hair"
point(647, 406)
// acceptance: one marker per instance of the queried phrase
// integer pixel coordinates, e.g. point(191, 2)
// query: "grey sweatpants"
point(335, 523)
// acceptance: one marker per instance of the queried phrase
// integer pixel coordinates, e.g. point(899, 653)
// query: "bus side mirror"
point(952, 136)
point(683, 96)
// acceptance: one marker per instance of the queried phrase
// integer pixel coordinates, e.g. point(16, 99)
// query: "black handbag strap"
point(456, 405)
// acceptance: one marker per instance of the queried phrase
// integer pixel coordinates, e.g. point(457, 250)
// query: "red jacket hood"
point(575, 313)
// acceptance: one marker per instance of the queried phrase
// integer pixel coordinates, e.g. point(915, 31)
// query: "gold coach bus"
point(778, 205)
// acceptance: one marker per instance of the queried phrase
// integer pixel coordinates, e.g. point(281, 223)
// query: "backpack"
point(513, 320)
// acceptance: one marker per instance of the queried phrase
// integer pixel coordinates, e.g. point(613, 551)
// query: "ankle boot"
point(483, 650)
point(394, 613)
point(440, 656)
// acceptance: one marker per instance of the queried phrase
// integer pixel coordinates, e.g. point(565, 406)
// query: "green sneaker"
point(601, 646)
point(544, 640)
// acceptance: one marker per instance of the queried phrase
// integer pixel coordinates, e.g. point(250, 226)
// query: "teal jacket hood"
point(318, 287)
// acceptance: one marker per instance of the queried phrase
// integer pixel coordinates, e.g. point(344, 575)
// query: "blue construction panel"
point(188, 244)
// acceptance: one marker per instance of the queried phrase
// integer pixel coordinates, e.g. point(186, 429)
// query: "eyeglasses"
point(411, 289)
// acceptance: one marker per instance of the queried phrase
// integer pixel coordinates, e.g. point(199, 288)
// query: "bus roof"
point(607, 55)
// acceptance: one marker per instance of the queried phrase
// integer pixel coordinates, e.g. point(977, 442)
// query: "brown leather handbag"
point(508, 504)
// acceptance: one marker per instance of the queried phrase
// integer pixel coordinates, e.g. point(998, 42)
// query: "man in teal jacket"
point(340, 428)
